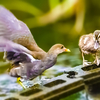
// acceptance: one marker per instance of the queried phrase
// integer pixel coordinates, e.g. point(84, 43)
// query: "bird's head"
point(96, 38)
point(57, 49)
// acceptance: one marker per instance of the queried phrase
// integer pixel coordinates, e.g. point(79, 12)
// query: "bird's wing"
point(26, 70)
point(23, 65)
point(19, 57)
point(12, 28)
point(7, 45)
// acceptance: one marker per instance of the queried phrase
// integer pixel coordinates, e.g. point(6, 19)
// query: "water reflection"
point(93, 91)
point(77, 96)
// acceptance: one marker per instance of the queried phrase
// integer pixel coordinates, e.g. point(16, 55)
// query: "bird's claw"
point(21, 83)
point(97, 62)
point(86, 63)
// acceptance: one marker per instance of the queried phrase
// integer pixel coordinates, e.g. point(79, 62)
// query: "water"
point(8, 84)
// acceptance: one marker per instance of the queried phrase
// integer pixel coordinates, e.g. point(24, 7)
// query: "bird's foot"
point(97, 62)
point(25, 83)
point(37, 80)
point(39, 83)
point(20, 82)
point(86, 63)
point(4, 57)
point(29, 84)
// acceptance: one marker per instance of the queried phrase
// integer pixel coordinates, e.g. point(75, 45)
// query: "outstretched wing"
point(18, 55)
point(7, 45)
point(27, 70)
point(14, 29)
point(25, 65)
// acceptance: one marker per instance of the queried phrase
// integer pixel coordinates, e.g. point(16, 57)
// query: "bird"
point(27, 59)
point(89, 44)
point(25, 66)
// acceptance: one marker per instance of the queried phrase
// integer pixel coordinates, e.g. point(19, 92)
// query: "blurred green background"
point(57, 21)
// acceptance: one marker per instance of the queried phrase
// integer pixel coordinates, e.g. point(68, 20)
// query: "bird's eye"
point(62, 47)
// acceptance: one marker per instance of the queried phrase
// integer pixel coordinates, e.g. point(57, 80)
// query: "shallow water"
point(9, 84)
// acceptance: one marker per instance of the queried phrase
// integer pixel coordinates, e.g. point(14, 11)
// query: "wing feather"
point(12, 28)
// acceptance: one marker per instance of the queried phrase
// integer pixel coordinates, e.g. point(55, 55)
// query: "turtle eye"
point(62, 47)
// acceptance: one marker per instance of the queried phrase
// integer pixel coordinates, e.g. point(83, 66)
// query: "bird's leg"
point(4, 57)
point(37, 80)
point(27, 83)
point(40, 79)
point(85, 62)
point(97, 60)
point(20, 82)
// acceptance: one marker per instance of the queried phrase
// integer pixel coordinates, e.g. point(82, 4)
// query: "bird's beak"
point(67, 50)
point(96, 45)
